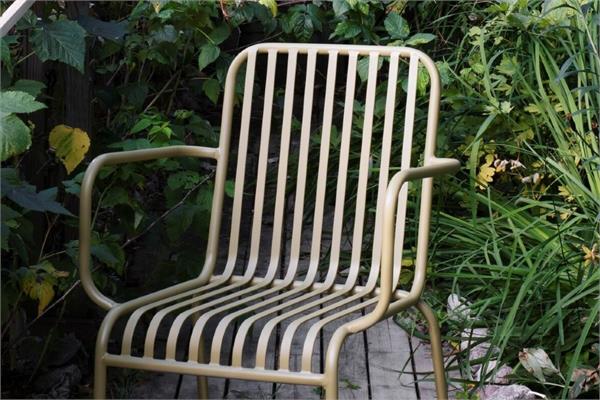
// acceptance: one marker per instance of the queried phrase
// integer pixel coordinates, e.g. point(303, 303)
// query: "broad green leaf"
point(346, 30)
point(208, 53)
point(212, 88)
point(34, 88)
point(70, 144)
point(26, 196)
point(299, 24)
point(166, 34)
point(141, 125)
point(419, 38)
point(340, 7)
point(220, 34)
point(107, 29)
point(271, 5)
point(18, 102)
point(60, 40)
point(396, 26)
point(15, 136)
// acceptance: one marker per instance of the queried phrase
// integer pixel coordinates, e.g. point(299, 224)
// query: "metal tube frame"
point(207, 295)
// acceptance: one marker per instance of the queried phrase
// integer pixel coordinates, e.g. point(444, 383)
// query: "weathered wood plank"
point(353, 381)
point(390, 367)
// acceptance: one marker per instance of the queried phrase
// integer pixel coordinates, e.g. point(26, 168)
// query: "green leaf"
point(15, 136)
point(60, 40)
point(166, 34)
point(212, 88)
point(26, 196)
point(271, 5)
point(229, 188)
point(183, 179)
point(346, 30)
point(178, 221)
point(220, 34)
point(362, 67)
point(18, 102)
point(141, 125)
point(419, 38)
point(340, 7)
point(107, 29)
point(34, 88)
point(396, 26)
point(208, 53)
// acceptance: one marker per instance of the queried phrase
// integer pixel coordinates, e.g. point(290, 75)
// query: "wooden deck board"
point(390, 367)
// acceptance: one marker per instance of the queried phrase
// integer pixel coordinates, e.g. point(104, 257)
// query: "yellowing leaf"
point(564, 192)
point(591, 256)
point(70, 144)
point(44, 294)
point(486, 172)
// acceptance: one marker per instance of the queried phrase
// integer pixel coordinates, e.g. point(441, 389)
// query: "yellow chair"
point(300, 297)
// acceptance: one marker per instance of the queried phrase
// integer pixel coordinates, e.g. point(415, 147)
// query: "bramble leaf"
point(60, 40)
point(15, 136)
point(70, 144)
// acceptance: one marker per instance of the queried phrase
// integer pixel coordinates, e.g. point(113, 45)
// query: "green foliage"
point(60, 40)
point(516, 232)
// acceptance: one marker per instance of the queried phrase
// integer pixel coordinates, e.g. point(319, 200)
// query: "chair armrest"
point(435, 167)
point(85, 202)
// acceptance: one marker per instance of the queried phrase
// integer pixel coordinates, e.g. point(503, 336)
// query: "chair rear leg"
point(99, 377)
point(439, 372)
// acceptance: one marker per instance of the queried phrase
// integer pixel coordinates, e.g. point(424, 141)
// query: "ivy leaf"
point(19, 102)
point(396, 26)
point(34, 88)
point(208, 53)
point(60, 40)
point(15, 136)
point(212, 88)
point(70, 144)
point(419, 38)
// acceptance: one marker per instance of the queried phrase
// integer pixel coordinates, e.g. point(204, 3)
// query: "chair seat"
point(238, 319)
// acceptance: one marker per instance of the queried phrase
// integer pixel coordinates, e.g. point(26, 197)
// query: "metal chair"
point(301, 297)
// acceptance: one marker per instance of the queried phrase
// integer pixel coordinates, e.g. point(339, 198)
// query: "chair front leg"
point(441, 387)
point(330, 383)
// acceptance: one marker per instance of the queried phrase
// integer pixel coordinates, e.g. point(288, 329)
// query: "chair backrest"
point(312, 144)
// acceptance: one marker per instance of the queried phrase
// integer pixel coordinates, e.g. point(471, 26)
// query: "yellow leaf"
point(591, 256)
point(44, 293)
point(486, 172)
point(564, 192)
point(70, 144)
point(271, 5)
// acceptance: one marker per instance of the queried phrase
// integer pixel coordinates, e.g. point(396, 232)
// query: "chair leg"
point(330, 383)
point(441, 387)
point(202, 381)
point(99, 378)
point(202, 385)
